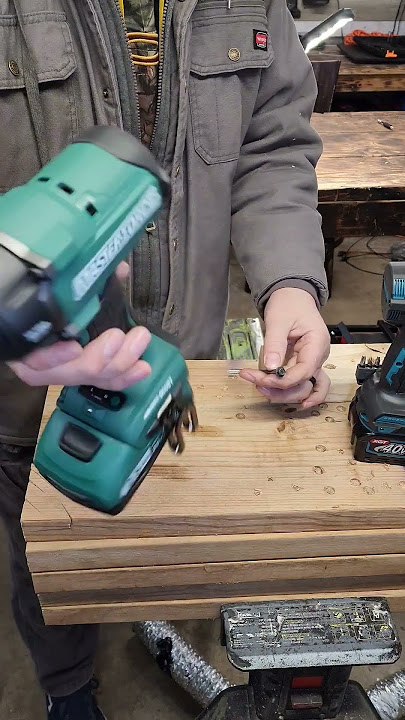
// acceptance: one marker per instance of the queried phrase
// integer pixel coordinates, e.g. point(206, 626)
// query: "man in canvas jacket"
point(224, 105)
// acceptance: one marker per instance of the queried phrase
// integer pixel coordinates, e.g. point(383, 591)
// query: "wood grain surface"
point(355, 78)
point(357, 155)
point(251, 468)
point(58, 556)
point(266, 502)
point(220, 573)
point(361, 174)
point(197, 609)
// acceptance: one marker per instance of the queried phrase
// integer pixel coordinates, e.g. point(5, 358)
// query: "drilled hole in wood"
point(319, 470)
point(355, 481)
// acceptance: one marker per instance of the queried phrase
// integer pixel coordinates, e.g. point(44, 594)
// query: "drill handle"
point(116, 312)
point(392, 374)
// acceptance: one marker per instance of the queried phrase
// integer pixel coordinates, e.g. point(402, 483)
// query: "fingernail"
point(272, 361)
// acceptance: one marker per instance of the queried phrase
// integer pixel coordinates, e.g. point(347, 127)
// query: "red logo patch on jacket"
point(260, 39)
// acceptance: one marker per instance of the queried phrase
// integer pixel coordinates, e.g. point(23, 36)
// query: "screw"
point(280, 372)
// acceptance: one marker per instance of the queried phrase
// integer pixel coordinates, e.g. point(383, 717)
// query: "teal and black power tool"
point(62, 235)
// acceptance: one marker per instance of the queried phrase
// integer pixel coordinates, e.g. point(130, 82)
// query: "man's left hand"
point(297, 338)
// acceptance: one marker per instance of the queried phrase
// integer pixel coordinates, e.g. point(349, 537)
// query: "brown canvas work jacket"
point(235, 94)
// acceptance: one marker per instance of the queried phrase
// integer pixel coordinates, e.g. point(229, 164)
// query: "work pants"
point(63, 655)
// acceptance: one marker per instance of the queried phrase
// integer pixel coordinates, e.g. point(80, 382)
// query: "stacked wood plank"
point(358, 77)
point(265, 503)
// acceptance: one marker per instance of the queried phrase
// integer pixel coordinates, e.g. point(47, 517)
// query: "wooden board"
point(251, 468)
point(221, 573)
point(357, 155)
point(355, 78)
point(352, 172)
point(161, 593)
point(359, 122)
point(54, 556)
point(197, 609)
point(364, 145)
point(265, 503)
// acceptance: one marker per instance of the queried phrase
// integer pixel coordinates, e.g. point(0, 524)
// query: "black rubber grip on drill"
point(127, 148)
point(115, 311)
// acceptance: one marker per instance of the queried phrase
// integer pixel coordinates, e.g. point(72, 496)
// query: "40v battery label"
point(386, 448)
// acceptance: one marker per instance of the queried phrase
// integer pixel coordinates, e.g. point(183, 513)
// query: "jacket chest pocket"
point(229, 47)
point(50, 43)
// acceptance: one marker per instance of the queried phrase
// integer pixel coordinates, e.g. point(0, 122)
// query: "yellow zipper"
point(161, 11)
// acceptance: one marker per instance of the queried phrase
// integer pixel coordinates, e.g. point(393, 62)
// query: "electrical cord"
point(401, 18)
point(398, 16)
point(379, 254)
point(344, 253)
point(346, 257)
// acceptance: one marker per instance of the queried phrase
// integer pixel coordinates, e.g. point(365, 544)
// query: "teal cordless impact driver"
point(62, 235)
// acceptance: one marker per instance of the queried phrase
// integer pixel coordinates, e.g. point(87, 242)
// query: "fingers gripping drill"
point(62, 236)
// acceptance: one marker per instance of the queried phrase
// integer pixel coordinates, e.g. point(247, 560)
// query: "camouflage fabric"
point(140, 17)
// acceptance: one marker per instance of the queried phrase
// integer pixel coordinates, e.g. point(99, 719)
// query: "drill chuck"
point(27, 315)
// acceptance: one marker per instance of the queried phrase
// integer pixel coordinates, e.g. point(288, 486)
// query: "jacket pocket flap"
point(229, 45)
point(51, 46)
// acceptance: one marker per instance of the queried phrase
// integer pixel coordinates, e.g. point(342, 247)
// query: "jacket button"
point(175, 243)
point(13, 67)
point(171, 310)
point(234, 54)
point(106, 93)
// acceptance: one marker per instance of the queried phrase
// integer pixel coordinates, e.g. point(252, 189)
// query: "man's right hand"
point(111, 361)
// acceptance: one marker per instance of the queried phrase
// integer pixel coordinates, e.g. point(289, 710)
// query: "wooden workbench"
point(361, 174)
point(355, 78)
point(265, 503)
